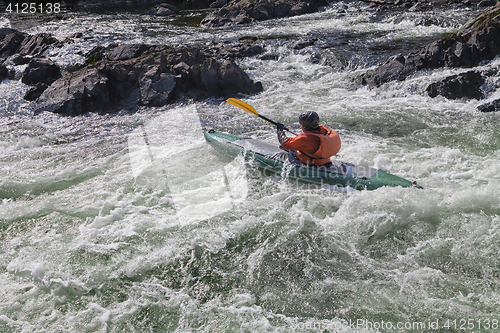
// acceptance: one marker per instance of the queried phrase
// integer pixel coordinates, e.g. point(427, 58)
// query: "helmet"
point(309, 119)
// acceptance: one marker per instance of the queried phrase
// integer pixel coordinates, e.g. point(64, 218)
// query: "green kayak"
point(275, 161)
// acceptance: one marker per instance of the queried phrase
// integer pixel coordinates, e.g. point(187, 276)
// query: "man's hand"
point(280, 127)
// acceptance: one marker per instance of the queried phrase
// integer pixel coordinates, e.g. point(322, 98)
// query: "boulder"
point(11, 42)
point(476, 41)
point(36, 45)
point(127, 51)
point(35, 92)
point(41, 70)
point(464, 85)
point(4, 72)
point(490, 106)
point(246, 11)
point(80, 92)
point(163, 9)
point(153, 75)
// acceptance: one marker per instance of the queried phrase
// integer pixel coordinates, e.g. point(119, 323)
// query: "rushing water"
point(132, 223)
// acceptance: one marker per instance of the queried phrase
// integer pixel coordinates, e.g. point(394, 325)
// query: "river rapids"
point(131, 222)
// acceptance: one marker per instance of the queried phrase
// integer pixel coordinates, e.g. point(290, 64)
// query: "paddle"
point(250, 109)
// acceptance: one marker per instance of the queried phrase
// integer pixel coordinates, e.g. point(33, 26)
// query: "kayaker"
point(315, 145)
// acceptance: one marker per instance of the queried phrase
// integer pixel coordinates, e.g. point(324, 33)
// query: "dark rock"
point(4, 73)
point(36, 45)
point(248, 39)
point(219, 3)
point(490, 107)
point(242, 12)
point(157, 88)
point(41, 70)
point(487, 3)
point(80, 92)
point(4, 32)
point(127, 51)
point(35, 92)
point(11, 42)
point(18, 59)
point(153, 75)
point(163, 9)
point(269, 56)
point(476, 41)
point(464, 85)
point(233, 80)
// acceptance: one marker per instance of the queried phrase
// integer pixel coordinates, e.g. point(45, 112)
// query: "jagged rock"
point(35, 92)
point(127, 51)
point(464, 85)
point(163, 9)
point(153, 75)
point(36, 45)
point(15, 42)
point(17, 59)
point(11, 41)
point(4, 72)
point(475, 42)
point(83, 91)
point(41, 70)
point(490, 107)
point(245, 11)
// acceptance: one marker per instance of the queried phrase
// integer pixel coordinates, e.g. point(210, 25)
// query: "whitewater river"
point(132, 223)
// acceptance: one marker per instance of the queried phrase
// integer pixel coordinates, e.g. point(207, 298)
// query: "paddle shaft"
point(275, 123)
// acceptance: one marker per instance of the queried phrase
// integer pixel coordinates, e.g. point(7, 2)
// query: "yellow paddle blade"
point(243, 105)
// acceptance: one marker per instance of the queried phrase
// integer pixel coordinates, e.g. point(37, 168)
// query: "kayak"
point(274, 160)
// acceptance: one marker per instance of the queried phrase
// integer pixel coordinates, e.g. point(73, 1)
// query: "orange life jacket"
point(329, 145)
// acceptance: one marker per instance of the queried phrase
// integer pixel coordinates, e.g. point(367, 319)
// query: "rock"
point(17, 59)
point(157, 88)
point(219, 3)
point(11, 42)
point(490, 107)
point(234, 81)
point(83, 91)
point(4, 72)
point(464, 85)
point(127, 51)
point(35, 92)
point(303, 43)
point(152, 75)
point(37, 44)
point(487, 3)
point(41, 70)
point(476, 41)
point(243, 11)
point(163, 9)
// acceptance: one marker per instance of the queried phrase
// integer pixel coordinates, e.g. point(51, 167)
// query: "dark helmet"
point(309, 119)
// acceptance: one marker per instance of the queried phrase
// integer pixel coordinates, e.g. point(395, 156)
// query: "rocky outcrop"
point(4, 72)
point(475, 42)
point(163, 9)
point(13, 42)
point(126, 76)
point(490, 106)
point(247, 11)
point(464, 85)
point(41, 70)
point(152, 75)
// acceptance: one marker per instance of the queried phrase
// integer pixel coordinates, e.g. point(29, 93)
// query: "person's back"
point(315, 145)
